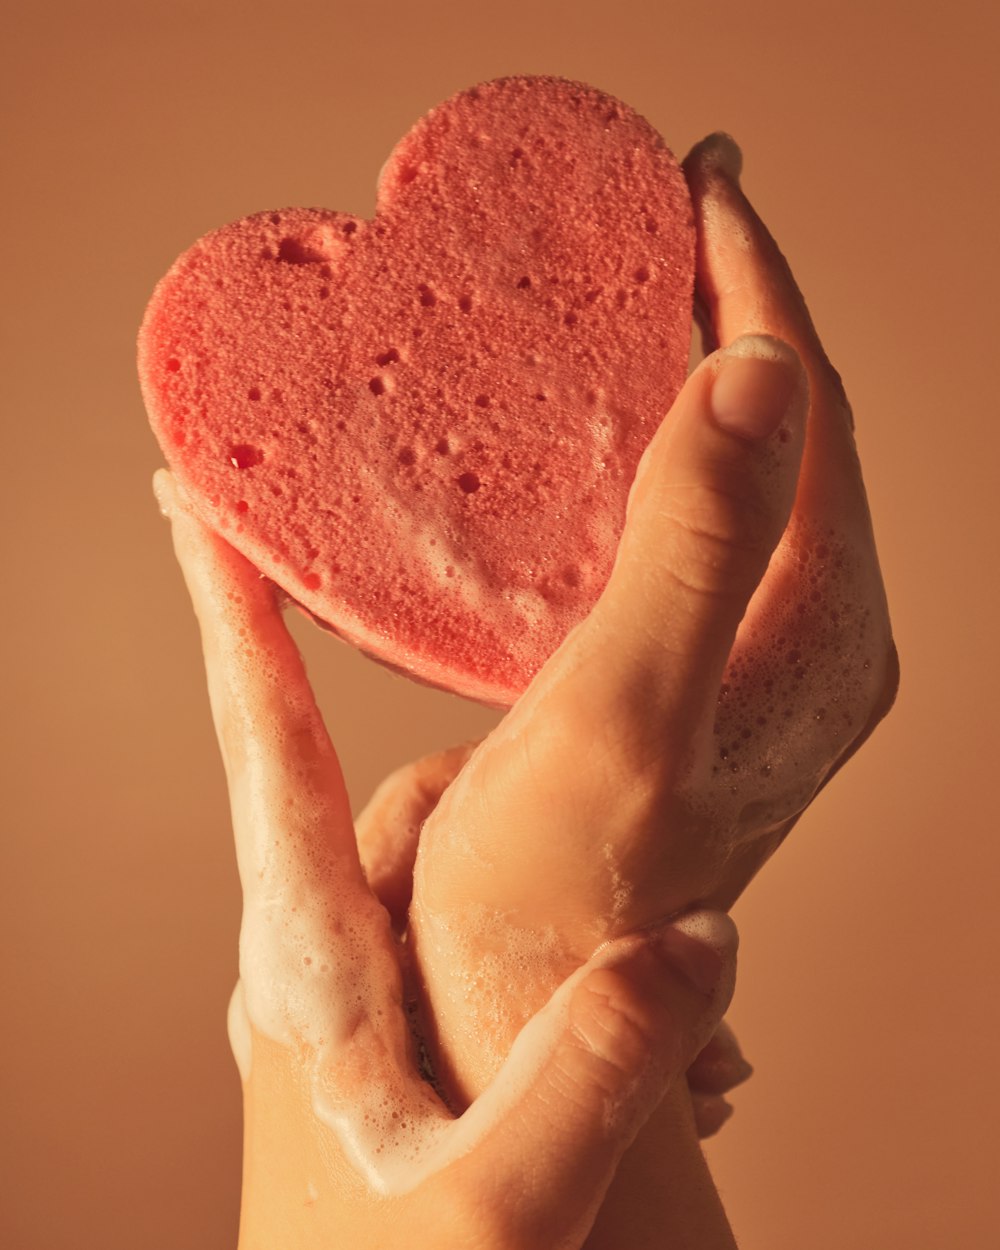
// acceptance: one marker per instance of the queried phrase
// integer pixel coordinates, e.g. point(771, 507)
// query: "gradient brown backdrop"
point(868, 991)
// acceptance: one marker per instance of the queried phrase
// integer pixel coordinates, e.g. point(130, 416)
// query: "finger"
point(279, 760)
point(388, 829)
point(743, 281)
point(628, 702)
point(719, 1066)
point(625, 1027)
point(709, 504)
point(312, 938)
point(710, 1113)
point(745, 286)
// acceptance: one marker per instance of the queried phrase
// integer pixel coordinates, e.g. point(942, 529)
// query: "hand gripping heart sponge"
point(424, 427)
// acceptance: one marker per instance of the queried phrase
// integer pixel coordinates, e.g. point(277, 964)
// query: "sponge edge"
point(424, 427)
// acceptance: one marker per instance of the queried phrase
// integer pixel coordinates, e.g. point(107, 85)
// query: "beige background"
point(868, 998)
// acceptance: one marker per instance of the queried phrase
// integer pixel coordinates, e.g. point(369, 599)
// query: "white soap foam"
point(400, 1138)
point(320, 974)
point(488, 969)
point(319, 969)
point(318, 964)
point(620, 889)
point(800, 685)
point(240, 1033)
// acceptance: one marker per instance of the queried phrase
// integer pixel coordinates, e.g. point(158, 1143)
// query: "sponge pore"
point(424, 427)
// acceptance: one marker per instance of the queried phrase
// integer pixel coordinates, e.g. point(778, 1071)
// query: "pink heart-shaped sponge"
point(424, 427)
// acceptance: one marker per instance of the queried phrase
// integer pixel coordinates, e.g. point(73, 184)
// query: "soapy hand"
point(740, 653)
point(388, 834)
point(346, 1143)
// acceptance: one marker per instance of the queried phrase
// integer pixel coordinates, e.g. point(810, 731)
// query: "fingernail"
point(757, 381)
point(700, 946)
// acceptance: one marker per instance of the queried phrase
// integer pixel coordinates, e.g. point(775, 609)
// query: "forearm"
point(663, 1196)
point(300, 1191)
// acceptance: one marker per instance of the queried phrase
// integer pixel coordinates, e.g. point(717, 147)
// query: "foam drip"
point(397, 1140)
point(392, 1127)
point(319, 967)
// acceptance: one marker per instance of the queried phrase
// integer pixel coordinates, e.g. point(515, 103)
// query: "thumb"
point(709, 504)
point(619, 1033)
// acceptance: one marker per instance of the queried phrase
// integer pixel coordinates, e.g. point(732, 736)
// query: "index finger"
point(279, 761)
point(744, 283)
point(593, 748)
point(315, 947)
point(745, 286)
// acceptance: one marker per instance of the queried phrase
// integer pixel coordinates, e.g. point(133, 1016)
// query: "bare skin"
point(388, 834)
point(528, 1165)
point(621, 791)
point(628, 750)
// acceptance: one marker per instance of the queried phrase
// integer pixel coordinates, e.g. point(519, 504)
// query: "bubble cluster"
point(799, 685)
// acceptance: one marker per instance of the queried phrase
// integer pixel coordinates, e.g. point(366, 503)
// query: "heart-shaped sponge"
point(424, 427)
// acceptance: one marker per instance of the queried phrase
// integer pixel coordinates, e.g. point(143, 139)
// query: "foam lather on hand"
point(423, 427)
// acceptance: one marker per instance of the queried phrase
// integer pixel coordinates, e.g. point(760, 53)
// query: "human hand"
point(610, 797)
point(388, 834)
point(740, 653)
point(717, 1069)
point(345, 1143)
point(669, 745)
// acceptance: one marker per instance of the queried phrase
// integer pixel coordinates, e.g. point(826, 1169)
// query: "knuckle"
point(719, 522)
point(616, 1032)
point(714, 541)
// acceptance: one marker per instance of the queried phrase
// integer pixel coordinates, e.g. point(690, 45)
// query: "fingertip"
point(713, 1076)
point(744, 282)
point(701, 947)
point(710, 1114)
point(719, 1066)
point(717, 153)
point(171, 497)
point(163, 490)
point(760, 388)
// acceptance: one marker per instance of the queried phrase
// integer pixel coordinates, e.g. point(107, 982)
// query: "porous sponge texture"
point(424, 426)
